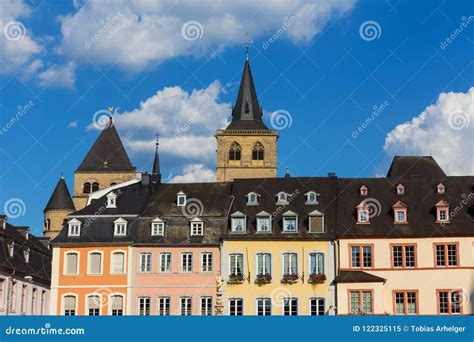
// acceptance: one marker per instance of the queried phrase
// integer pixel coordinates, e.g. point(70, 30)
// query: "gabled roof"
point(61, 198)
point(247, 113)
point(107, 153)
point(399, 204)
point(409, 166)
point(442, 203)
point(357, 277)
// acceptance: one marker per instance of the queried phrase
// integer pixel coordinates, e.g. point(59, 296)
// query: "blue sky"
point(323, 72)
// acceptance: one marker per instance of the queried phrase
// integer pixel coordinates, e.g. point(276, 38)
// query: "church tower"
point(59, 206)
point(105, 164)
point(246, 148)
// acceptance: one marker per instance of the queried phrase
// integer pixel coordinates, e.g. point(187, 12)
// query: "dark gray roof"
point(107, 153)
point(410, 166)
point(296, 187)
point(357, 277)
point(247, 113)
point(61, 198)
point(39, 264)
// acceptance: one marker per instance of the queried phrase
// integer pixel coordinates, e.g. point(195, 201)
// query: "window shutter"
point(316, 224)
point(95, 259)
point(117, 302)
point(69, 303)
point(94, 302)
point(118, 261)
point(71, 263)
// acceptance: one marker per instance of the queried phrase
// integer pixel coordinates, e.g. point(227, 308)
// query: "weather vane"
point(247, 42)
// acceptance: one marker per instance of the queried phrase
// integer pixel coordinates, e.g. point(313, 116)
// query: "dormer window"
point(74, 227)
point(181, 199)
point(400, 212)
point(440, 188)
point(363, 213)
point(238, 222)
point(197, 227)
point(400, 189)
point(157, 227)
point(11, 249)
point(111, 200)
point(252, 198)
point(290, 222)
point(442, 212)
point(26, 255)
point(316, 222)
point(264, 223)
point(120, 227)
point(364, 191)
point(311, 197)
point(282, 198)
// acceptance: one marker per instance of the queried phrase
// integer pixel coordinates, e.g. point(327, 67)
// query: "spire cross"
point(247, 42)
point(157, 139)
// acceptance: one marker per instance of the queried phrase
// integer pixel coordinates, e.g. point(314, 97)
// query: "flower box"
point(316, 278)
point(289, 278)
point(263, 278)
point(235, 279)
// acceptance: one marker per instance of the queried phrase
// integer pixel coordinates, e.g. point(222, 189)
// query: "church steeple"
point(59, 206)
point(156, 161)
point(247, 112)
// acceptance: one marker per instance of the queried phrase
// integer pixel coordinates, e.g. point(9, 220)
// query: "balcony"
point(263, 279)
point(289, 278)
point(235, 279)
point(316, 278)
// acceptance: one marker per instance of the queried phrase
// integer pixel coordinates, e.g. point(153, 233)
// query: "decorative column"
point(219, 284)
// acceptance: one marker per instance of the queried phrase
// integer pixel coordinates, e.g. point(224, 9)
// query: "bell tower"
point(246, 148)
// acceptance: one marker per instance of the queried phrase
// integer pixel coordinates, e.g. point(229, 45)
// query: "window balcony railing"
point(263, 279)
point(235, 278)
point(316, 278)
point(289, 278)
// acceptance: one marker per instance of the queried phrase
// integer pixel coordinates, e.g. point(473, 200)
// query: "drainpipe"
point(9, 291)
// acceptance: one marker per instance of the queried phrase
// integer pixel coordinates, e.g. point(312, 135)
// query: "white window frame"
point(76, 304)
point(316, 213)
point(181, 199)
point(317, 306)
point(231, 266)
point(289, 262)
point(287, 216)
point(197, 227)
point(316, 254)
point(186, 299)
point(309, 201)
point(118, 225)
point(238, 216)
point(140, 256)
point(111, 200)
point(249, 201)
point(403, 212)
point(65, 267)
point(166, 312)
point(203, 254)
point(290, 306)
point(206, 299)
point(138, 305)
point(89, 254)
point(93, 294)
point(264, 255)
point(264, 215)
point(164, 255)
point(116, 294)
point(235, 299)
point(188, 254)
point(112, 253)
point(280, 200)
point(400, 189)
point(157, 227)
point(74, 228)
point(263, 299)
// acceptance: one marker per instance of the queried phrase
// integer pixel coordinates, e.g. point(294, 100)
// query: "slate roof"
point(412, 166)
point(61, 198)
point(39, 264)
point(247, 113)
point(107, 153)
point(357, 277)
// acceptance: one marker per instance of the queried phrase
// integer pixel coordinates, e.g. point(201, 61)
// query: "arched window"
point(95, 186)
point(234, 151)
point(258, 151)
point(86, 188)
point(48, 224)
point(113, 183)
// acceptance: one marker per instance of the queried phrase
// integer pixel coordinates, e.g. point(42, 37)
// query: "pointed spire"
point(61, 198)
point(287, 173)
point(107, 154)
point(247, 112)
point(156, 162)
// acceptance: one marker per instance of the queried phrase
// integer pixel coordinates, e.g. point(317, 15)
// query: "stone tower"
point(59, 206)
point(246, 148)
point(105, 164)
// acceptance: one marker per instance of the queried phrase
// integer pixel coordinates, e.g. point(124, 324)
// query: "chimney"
point(3, 221)
point(23, 230)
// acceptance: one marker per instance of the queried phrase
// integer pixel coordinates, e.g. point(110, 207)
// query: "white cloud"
point(143, 33)
point(58, 75)
point(17, 46)
point(73, 124)
point(444, 129)
point(194, 173)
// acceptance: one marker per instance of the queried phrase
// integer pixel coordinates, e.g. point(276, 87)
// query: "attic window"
point(252, 198)
point(363, 213)
point(26, 255)
point(11, 249)
point(157, 227)
point(181, 199)
point(197, 227)
point(290, 222)
point(400, 189)
point(440, 188)
point(264, 223)
point(316, 222)
point(311, 198)
point(120, 227)
point(238, 222)
point(364, 191)
point(400, 212)
point(442, 212)
point(111, 200)
point(74, 227)
point(282, 198)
